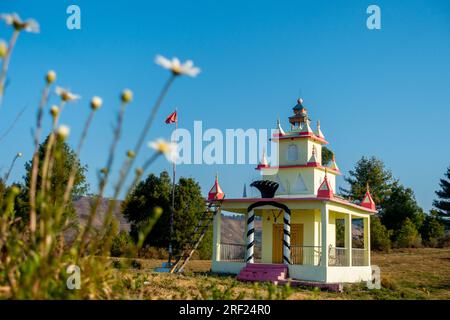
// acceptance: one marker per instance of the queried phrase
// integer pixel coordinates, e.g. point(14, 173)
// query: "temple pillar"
point(287, 237)
point(250, 236)
point(324, 230)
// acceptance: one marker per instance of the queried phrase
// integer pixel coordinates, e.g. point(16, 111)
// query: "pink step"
point(263, 272)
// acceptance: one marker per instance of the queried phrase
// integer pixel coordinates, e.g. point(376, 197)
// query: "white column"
point(348, 239)
point(287, 238)
point(250, 236)
point(324, 223)
point(217, 221)
point(367, 241)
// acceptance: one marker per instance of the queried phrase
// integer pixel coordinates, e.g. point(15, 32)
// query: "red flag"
point(172, 118)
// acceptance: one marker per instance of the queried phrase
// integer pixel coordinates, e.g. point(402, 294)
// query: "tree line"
point(400, 221)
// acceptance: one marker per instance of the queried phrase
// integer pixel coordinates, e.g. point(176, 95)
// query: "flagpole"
point(174, 169)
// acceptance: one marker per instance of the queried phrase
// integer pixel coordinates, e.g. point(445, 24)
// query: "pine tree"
point(156, 192)
point(399, 206)
point(369, 171)
point(443, 204)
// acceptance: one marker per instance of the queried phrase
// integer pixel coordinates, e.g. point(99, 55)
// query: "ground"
point(406, 274)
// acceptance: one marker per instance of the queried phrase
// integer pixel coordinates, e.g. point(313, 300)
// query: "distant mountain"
point(232, 225)
point(83, 206)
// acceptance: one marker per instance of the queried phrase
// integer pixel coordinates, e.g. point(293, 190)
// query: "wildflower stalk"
point(104, 179)
point(11, 166)
point(6, 60)
point(129, 162)
point(35, 166)
point(49, 147)
point(74, 168)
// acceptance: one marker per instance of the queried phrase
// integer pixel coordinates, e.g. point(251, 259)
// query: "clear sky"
point(381, 92)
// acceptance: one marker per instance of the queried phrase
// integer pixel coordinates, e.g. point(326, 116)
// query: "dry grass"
point(406, 274)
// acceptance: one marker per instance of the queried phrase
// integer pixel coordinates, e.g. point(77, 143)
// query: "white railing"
point(306, 255)
point(359, 257)
point(337, 257)
point(233, 252)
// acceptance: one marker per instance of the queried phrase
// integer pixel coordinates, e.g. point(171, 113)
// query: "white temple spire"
point(318, 131)
point(280, 129)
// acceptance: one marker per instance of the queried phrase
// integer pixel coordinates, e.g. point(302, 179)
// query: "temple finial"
point(280, 129)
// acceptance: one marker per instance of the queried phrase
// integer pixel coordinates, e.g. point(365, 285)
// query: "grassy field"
point(406, 274)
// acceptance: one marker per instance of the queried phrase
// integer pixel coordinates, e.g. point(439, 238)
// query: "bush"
point(444, 242)
point(379, 235)
point(121, 244)
point(408, 236)
point(431, 231)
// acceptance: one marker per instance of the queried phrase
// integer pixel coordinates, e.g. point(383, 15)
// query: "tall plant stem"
point(5, 65)
point(75, 167)
point(35, 167)
point(129, 162)
point(104, 179)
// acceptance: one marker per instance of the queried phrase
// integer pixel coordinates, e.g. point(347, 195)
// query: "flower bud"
point(139, 171)
point(131, 154)
point(50, 77)
point(96, 103)
point(126, 96)
point(19, 154)
point(54, 111)
point(3, 49)
point(63, 131)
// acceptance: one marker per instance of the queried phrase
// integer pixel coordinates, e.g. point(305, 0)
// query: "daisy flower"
point(66, 95)
point(176, 67)
point(14, 20)
point(169, 149)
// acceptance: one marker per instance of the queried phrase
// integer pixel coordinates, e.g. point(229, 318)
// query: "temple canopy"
point(300, 114)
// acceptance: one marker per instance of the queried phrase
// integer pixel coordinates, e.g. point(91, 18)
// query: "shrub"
point(379, 235)
point(431, 231)
point(121, 244)
point(408, 236)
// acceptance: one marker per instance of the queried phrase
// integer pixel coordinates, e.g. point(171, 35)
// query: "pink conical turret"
point(216, 192)
point(367, 201)
point(325, 190)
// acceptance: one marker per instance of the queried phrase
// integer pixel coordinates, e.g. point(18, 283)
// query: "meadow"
point(405, 274)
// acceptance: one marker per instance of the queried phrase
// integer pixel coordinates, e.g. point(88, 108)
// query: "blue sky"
point(384, 93)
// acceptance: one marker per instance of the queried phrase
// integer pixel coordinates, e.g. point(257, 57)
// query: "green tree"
point(399, 206)
point(156, 192)
point(379, 235)
point(443, 202)
point(65, 158)
point(407, 236)
point(432, 229)
point(368, 171)
point(327, 156)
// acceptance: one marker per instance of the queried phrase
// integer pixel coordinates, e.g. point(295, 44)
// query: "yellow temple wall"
point(311, 229)
point(313, 178)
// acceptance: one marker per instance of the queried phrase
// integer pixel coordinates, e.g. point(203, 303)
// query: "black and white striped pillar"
point(250, 235)
point(287, 237)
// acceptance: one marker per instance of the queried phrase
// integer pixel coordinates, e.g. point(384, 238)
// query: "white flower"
point(169, 149)
point(66, 95)
point(176, 67)
point(19, 154)
point(14, 20)
point(63, 131)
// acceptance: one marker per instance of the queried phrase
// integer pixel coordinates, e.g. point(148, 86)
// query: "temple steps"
point(263, 272)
